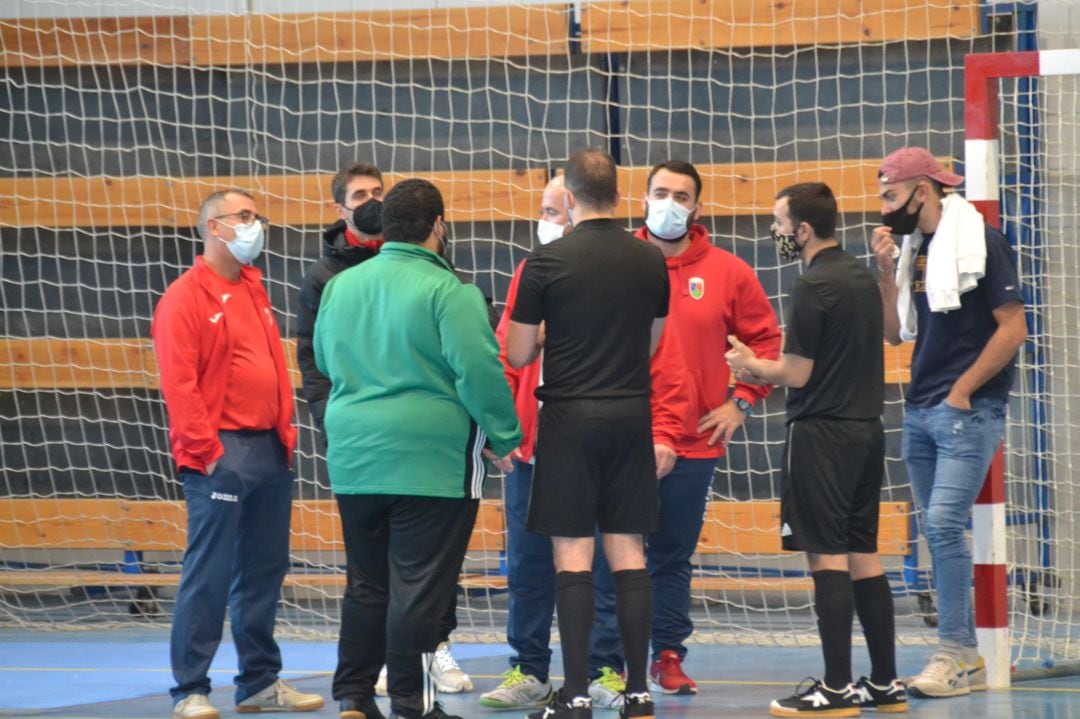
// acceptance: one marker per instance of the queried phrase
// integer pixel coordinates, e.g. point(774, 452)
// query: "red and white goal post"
point(983, 175)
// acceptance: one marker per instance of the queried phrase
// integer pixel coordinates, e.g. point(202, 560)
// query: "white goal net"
point(113, 128)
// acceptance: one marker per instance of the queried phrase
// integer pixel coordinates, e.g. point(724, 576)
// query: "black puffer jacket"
point(338, 255)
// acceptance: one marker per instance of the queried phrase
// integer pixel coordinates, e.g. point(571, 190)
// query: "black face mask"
point(367, 218)
point(900, 221)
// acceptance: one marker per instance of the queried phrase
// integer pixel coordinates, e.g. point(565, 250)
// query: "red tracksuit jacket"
point(714, 294)
point(194, 351)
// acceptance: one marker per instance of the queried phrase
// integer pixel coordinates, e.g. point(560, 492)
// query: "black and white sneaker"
point(564, 707)
point(637, 705)
point(889, 698)
point(813, 698)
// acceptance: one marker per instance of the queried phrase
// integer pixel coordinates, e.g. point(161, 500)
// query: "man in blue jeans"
point(714, 294)
point(953, 288)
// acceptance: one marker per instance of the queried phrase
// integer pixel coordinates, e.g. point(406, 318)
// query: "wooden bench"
point(161, 526)
point(740, 529)
point(489, 31)
point(45, 363)
point(738, 189)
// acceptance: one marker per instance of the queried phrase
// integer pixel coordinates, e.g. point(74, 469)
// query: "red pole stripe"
point(993, 489)
point(991, 582)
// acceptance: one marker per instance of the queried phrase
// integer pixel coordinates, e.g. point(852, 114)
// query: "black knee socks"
point(575, 605)
point(633, 607)
point(874, 604)
point(834, 602)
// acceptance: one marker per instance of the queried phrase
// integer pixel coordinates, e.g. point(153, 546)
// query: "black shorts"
point(595, 468)
point(831, 485)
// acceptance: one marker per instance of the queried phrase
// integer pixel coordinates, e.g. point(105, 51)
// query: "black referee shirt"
point(598, 290)
point(835, 320)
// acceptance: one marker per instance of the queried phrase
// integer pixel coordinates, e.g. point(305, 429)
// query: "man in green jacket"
point(417, 391)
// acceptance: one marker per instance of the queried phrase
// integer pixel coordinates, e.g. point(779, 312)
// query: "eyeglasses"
point(246, 217)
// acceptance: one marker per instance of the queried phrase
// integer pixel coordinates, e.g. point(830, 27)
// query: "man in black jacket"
point(357, 190)
point(356, 236)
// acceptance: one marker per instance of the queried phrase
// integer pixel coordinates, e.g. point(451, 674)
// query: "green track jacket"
point(417, 386)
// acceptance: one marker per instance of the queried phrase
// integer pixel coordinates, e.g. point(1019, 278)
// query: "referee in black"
point(601, 296)
point(833, 367)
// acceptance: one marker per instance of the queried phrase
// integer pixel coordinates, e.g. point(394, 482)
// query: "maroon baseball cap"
point(908, 163)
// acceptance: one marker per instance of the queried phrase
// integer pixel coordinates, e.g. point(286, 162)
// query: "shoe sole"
point(845, 712)
point(917, 692)
point(353, 714)
point(446, 689)
point(213, 714)
point(294, 708)
point(502, 706)
point(889, 708)
point(682, 690)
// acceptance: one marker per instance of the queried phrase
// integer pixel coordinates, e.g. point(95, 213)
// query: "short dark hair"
point(591, 176)
point(813, 203)
point(679, 168)
point(341, 179)
point(409, 211)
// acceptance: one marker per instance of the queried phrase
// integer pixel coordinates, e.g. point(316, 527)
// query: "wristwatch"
point(744, 406)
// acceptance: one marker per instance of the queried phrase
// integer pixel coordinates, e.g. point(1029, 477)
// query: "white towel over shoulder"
point(955, 262)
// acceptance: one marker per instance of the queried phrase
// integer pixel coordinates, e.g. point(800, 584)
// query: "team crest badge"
point(697, 288)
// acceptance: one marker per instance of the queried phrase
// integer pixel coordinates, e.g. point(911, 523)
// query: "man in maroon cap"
point(953, 289)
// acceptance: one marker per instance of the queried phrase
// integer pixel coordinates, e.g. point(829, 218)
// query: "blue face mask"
point(248, 243)
point(667, 219)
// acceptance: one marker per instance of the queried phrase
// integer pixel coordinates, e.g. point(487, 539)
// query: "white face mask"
point(248, 243)
point(667, 219)
point(547, 232)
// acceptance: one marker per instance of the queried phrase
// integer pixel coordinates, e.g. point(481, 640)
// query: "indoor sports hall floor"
point(122, 674)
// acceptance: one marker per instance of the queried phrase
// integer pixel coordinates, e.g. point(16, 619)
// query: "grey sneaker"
point(447, 675)
point(195, 706)
point(608, 690)
point(943, 676)
point(280, 697)
point(518, 691)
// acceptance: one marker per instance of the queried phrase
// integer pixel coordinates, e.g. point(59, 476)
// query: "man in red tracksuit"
point(713, 294)
point(230, 403)
point(531, 571)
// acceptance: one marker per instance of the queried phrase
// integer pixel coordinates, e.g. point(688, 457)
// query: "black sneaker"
point(562, 708)
point(436, 713)
point(637, 705)
point(817, 700)
point(889, 698)
point(352, 709)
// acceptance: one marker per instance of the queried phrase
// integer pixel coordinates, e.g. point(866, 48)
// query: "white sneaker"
point(943, 676)
point(280, 697)
point(380, 683)
point(195, 706)
point(608, 691)
point(448, 676)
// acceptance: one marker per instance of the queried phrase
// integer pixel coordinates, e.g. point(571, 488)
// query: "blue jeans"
point(237, 555)
point(530, 578)
point(683, 494)
point(947, 452)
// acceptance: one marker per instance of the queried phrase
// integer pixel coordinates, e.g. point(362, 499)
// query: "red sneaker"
point(667, 674)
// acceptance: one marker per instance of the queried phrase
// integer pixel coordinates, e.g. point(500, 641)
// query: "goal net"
point(114, 127)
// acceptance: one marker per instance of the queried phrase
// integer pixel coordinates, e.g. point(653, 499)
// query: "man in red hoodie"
point(531, 571)
point(230, 403)
point(713, 294)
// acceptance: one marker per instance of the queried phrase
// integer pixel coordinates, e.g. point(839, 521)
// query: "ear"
point(645, 203)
